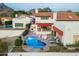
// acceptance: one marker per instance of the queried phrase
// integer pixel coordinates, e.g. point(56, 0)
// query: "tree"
point(8, 22)
point(13, 15)
point(46, 9)
point(69, 10)
point(77, 13)
point(31, 11)
point(2, 15)
point(18, 12)
point(28, 25)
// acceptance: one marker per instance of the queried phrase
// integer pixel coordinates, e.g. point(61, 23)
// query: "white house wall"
point(25, 21)
point(69, 28)
point(39, 20)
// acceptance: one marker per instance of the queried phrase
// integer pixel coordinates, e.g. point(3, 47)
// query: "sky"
point(53, 6)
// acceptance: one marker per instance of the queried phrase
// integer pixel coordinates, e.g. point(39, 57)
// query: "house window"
point(18, 24)
point(45, 18)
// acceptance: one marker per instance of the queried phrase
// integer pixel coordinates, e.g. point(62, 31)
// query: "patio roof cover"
point(60, 32)
point(45, 24)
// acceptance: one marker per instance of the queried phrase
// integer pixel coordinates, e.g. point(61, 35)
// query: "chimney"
point(54, 16)
point(36, 10)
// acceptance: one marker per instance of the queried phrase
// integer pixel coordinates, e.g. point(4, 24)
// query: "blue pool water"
point(33, 41)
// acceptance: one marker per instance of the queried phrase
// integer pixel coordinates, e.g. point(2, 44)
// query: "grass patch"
point(76, 44)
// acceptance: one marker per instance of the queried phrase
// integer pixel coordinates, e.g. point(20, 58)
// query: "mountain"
point(5, 10)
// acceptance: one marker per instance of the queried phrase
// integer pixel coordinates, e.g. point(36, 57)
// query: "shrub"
point(18, 42)
point(77, 13)
point(60, 43)
point(77, 44)
point(8, 22)
point(28, 25)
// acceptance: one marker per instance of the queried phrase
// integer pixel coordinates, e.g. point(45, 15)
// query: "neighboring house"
point(68, 22)
point(20, 22)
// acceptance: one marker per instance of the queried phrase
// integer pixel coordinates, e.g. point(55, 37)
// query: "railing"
point(43, 32)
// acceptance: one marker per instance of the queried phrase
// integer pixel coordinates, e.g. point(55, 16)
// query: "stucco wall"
point(39, 20)
point(69, 28)
point(25, 21)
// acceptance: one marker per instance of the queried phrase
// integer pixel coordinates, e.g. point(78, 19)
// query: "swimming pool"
point(34, 42)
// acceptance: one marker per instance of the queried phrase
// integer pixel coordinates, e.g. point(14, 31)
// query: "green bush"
point(28, 25)
point(2, 15)
point(77, 13)
point(18, 42)
point(77, 44)
point(60, 43)
point(8, 22)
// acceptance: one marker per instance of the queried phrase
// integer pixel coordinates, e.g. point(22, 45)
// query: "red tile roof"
point(67, 16)
point(9, 18)
point(44, 14)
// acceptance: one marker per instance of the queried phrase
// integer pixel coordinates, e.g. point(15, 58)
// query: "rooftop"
point(9, 18)
point(67, 16)
point(44, 14)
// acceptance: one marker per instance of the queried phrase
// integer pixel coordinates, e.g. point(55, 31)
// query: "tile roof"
point(67, 16)
point(44, 14)
point(9, 18)
point(60, 32)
